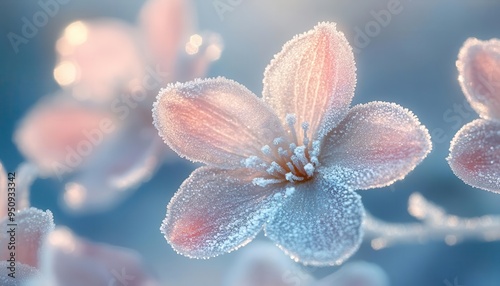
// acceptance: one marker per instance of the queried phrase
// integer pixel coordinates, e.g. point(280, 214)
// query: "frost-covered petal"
point(69, 260)
point(50, 134)
point(217, 211)
point(376, 144)
point(22, 274)
point(264, 264)
point(33, 226)
point(313, 77)
point(479, 67)
point(165, 25)
point(97, 58)
point(3, 191)
point(356, 274)
point(475, 154)
point(215, 121)
point(117, 166)
point(320, 224)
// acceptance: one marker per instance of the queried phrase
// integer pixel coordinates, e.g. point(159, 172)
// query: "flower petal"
point(357, 274)
point(23, 273)
point(263, 264)
point(376, 144)
point(313, 77)
point(69, 260)
point(475, 154)
point(217, 211)
point(97, 58)
point(33, 226)
point(215, 121)
point(479, 67)
point(320, 224)
point(54, 127)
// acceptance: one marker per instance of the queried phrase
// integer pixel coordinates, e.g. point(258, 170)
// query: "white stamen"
point(300, 152)
point(252, 162)
point(291, 119)
point(266, 150)
point(283, 153)
point(315, 148)
point(275, 167)
point(309, 168)
point(278, 141)
point(292, 178)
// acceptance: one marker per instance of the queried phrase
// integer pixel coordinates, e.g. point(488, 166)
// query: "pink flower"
point(475, 149)
point(262, 264)
point(68, 260)
point(96, 134)
point(288, 162)
point(31, 227)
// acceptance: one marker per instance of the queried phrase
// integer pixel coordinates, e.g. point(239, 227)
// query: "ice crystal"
point(288, 162)
point(475, 149)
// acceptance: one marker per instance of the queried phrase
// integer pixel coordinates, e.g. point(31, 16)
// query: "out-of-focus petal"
point(3, 191)
point(217, 211)
point(165, 25)
point(376, 144)
point(117, 166)
point(69, 260)
point(54, 131)
point(320, 224)
point(313, 77)
point(22, 274)
point(356, 274)
point(215, 121)
point(475, 154)
point(33, 226)
point(263, 264)
point(97, 58)
point(479, 67)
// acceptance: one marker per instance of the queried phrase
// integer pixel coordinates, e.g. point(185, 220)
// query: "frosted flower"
point(32, 226)
point(67, 260)
point(262, 264)
point(475, 149)
point(96, 134)
point(287, 163)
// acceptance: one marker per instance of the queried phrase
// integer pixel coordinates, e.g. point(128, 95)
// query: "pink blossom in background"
point(33, 225)
point(96, 134)
point(289, 162)
point(67, 260)
point(475, 149)
point(262, 264)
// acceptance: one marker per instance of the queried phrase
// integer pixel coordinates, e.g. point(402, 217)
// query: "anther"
point(292, 178)
point(305, 127)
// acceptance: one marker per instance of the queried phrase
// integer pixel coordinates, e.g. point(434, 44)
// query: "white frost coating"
point(217, 211)
point(377, 144)
point(479, 67)
point(320, 224)
point(434, 224)
point(230, 123)
point(475, 154)
point(313, 77)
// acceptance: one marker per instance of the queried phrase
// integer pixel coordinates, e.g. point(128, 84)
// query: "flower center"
point(285, 159)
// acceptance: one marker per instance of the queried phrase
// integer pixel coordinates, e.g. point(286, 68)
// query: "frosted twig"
point(435, 224)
